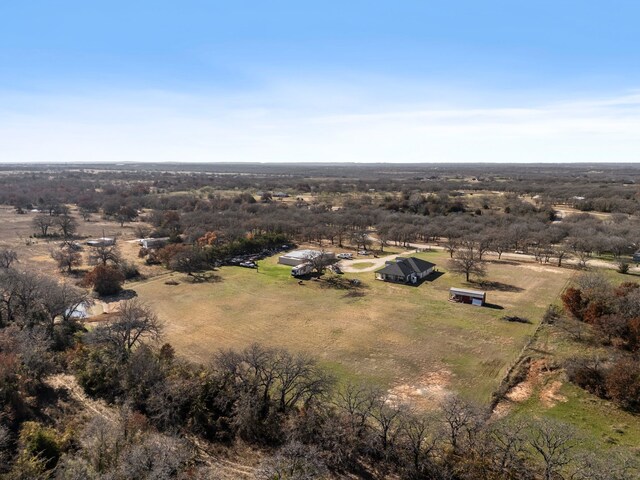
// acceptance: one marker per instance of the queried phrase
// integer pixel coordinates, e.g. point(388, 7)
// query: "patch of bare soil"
point(540, 268)
point(538, 380)
point(549, 395)
point(431, 390)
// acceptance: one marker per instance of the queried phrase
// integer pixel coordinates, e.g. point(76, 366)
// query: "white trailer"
point(302, 270)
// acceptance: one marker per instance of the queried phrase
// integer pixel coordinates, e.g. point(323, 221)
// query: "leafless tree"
point(298, 379)
point(466, 262)
point(499, 244)
point(67, 259)
point(553, 442)
point(561, 252)
point(67, 225)
point(357, 402)
point(7, 257)
point(62, 300)
point(507, 441)
point(421, 436)
point(361, 239)
point(43, 223)
point(294, 461)
point(103, 254)
point(386, 418)
point(320, 262)
point(460, 418)
point(451, 245)
point(134, 322)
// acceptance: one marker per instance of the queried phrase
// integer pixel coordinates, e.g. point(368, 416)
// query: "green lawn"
point(361, 265)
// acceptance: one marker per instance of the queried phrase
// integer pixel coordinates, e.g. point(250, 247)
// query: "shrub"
point(623, 384)
point(129, 270)
point(623, 267)
point(104, 279)
point(573, 302)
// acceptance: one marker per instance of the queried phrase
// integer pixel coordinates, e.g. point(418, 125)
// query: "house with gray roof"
point(405, 270)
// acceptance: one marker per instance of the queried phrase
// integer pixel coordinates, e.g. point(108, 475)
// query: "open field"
point(411, 340)
point(546, 392)
point(35, 253)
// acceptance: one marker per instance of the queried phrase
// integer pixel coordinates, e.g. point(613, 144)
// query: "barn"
point(101, 242)
point(463, 295)
point(405, 270)
point(296, 257)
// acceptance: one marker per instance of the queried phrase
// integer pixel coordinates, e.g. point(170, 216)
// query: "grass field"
point(361, 265)
point(409, 339)
point(547, 393)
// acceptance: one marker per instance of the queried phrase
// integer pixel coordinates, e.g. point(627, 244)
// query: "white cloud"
point(312, 124)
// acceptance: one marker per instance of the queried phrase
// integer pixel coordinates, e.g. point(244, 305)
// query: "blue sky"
point(448, 81)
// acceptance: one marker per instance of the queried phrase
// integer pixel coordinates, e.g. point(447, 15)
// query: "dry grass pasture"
point(16, 232)
point(411, 340)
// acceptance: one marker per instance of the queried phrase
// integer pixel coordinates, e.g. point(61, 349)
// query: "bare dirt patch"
point(550, 396)
point(430, 391)
point(539, 381)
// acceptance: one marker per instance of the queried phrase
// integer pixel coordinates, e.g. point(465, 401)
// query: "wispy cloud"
point(297, 124)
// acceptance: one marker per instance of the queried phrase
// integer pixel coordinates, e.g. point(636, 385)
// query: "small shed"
point(101, 242)
point(154, 242)
point(463, 295)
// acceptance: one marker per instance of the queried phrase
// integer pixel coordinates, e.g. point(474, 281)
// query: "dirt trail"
point(345, 265)
point(520, 257)
point(219, 467)
point(70, 384)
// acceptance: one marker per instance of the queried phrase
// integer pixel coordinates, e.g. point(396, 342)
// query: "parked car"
point(364, 252)
point(345, 256)
point(248, 265)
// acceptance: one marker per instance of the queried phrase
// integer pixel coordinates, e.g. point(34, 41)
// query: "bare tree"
point(67, 259)
point(420, 436)
point(134, 322)
point(103, 254)
point(507, 441)
point(43, 223)
point(320, 262)
point(7, 257)
point(466, 262)
point(459, 417)
point(62, 301)
point(126, 214)
point(67, 225)
point(294, 461)
point(386, 418)
point(553, 442)
point(298, 379)
point(451, 245)
point(361, 239)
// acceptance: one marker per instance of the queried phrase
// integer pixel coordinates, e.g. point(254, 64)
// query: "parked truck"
point(302, 270)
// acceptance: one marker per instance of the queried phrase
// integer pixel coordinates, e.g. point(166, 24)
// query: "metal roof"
point(464, 291)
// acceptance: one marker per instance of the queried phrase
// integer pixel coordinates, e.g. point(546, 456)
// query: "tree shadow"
point(429, 278)
point(504, 262)
point(123, 295)
point(432, 277)
point(499, 286)
point(493, 306)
